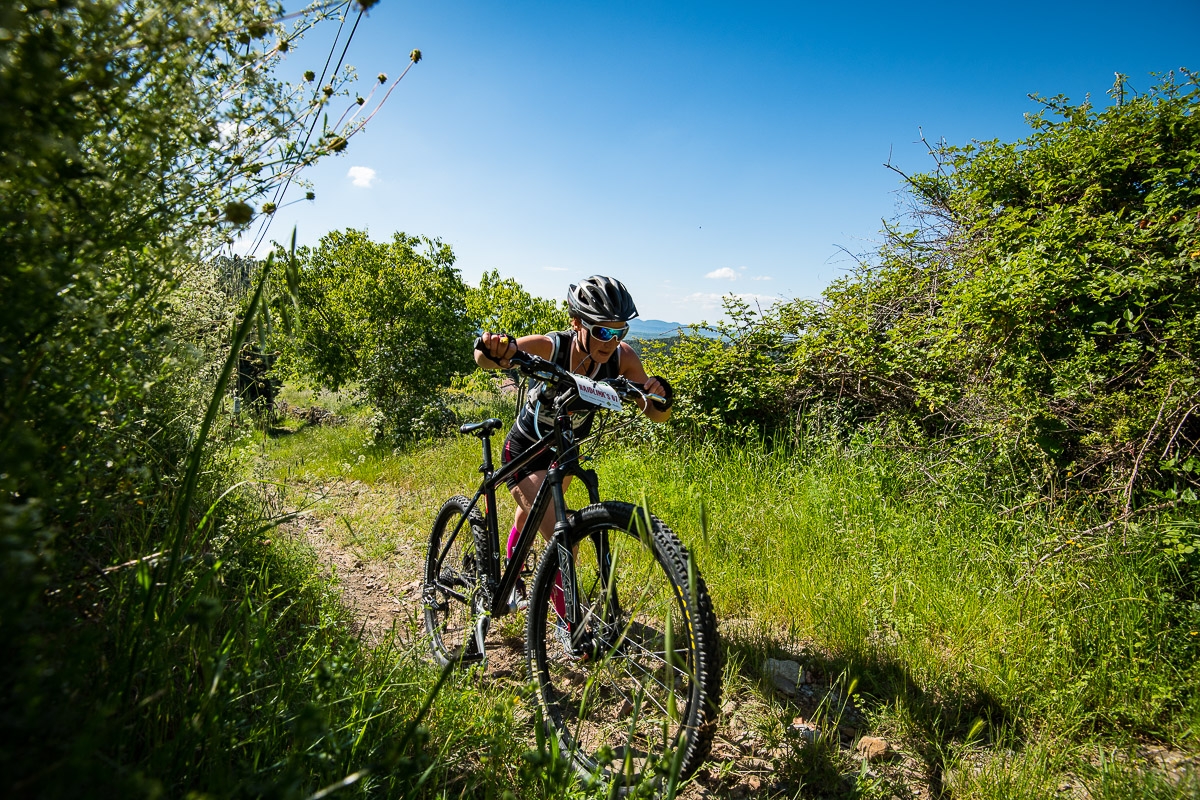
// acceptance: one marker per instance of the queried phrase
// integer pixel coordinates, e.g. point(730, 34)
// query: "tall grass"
point(945, 612)
point(997, 649)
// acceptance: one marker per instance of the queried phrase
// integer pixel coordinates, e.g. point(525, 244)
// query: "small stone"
point(784, 675)
point(847, 731)
point(729, 707)
point(753, 783)
point(806, 731)
point(872, 748)
point(625, 710)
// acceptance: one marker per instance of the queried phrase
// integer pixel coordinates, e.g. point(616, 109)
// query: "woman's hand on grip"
point(498, 348)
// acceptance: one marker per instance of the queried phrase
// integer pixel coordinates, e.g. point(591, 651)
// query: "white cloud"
point(702, 301)
point(724, 274)
point(713, 301)
point(244, 244)
point(761, 278)
point(362, 176)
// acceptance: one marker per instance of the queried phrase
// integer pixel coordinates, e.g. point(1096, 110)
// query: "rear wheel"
point(632, 692)
point(449, 592)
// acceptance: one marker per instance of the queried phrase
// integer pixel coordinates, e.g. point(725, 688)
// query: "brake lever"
point(626, 387)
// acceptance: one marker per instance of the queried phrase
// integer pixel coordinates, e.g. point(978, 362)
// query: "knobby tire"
point(630, 713)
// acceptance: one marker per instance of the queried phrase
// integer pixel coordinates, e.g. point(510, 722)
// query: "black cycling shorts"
point(514, 445)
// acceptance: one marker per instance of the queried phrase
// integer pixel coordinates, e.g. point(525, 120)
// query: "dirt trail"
point(385, 594)
point(746, 760)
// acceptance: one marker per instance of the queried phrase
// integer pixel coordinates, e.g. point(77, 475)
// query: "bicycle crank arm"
point(481, 629)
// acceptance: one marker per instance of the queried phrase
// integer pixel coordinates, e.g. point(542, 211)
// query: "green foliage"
point(1043, 317)
point(1037, 329)
point(137, 137)
point(129, 129)
point(502, 304)
point(728, 384)
point(389, 317)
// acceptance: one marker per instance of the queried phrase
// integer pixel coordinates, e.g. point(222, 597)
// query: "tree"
point(503, 305)
point(137, 137)
point(388, 316)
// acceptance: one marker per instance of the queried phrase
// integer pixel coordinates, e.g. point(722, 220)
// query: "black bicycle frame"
point(500, 585)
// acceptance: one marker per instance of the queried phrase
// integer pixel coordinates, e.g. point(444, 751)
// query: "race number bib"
point(598, 394)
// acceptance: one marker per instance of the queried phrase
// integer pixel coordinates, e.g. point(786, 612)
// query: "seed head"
point(238, 213)
point(337, 144)
point(415, 55)
point(309, 75)
point(383, 77)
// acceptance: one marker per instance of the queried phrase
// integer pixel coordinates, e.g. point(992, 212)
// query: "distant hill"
point(657, 329)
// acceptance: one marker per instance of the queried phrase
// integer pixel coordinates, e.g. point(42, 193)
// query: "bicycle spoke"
point(448, 593)
point(636, 698)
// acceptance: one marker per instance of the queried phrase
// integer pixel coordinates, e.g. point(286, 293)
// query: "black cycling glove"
point(668, 393)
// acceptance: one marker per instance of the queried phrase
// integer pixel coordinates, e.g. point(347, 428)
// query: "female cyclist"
point(600, 309)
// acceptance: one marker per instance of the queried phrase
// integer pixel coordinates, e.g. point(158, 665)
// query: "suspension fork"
point(566, 558)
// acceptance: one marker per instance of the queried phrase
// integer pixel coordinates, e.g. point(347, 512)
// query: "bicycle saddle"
point(481, 429)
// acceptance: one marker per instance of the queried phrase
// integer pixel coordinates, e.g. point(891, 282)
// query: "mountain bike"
point(620, 640)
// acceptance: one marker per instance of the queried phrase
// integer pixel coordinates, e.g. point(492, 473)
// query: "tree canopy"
point(389, 316)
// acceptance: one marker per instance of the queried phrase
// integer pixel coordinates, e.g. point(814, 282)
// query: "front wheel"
point(632, 692)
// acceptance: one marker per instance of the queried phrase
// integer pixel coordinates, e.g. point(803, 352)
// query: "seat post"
point(487, 454)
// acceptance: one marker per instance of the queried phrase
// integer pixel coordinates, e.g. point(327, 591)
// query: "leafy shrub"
point(137, 138)
point(730, 383)
point(1042, 319)
point(389, 317)
point(503, 305)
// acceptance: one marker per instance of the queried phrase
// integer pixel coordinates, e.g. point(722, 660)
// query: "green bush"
point(137, 138)
point(1044, 314)
point(503, 305)
point(1038, 328)
point(388, 317)
point(727, 382)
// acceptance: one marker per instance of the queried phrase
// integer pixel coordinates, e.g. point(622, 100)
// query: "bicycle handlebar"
point(549, 372)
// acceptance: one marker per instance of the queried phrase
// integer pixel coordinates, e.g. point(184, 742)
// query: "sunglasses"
point(607, 334)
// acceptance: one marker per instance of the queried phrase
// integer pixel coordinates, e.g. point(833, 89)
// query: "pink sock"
point(513, 535)
point(560, 600)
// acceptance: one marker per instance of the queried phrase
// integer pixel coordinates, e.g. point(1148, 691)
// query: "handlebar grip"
point(507, 337)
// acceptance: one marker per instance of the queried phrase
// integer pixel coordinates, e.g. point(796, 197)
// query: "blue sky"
point(694, 149)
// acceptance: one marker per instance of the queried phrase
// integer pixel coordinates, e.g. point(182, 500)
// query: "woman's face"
point(600, 351)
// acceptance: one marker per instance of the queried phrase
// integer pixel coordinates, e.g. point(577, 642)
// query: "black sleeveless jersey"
point(536, 417)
